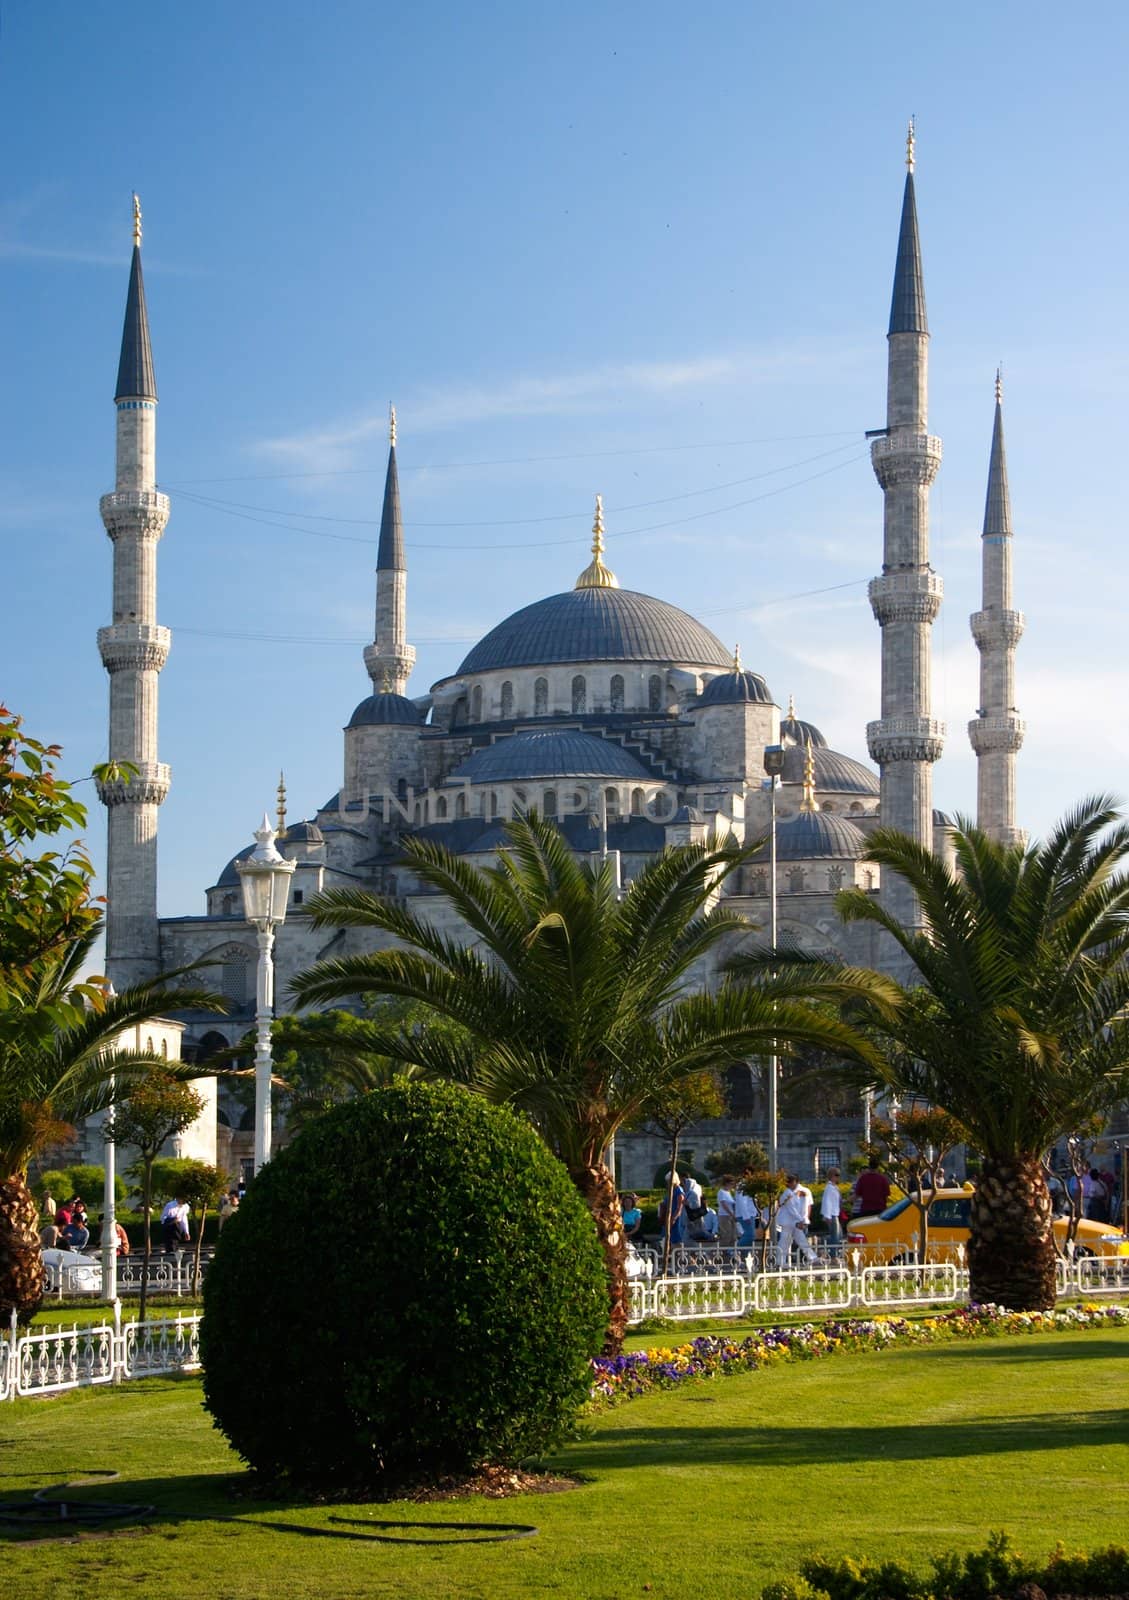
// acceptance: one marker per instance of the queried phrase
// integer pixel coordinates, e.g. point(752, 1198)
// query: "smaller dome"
point(815, 835)
point(303, 833)
point(229, 877)
point(735, 688)
point(941, 819)
point(385, 708)
point(552, 754)
point(793, 730)
point(686, 814)
point(834, 773)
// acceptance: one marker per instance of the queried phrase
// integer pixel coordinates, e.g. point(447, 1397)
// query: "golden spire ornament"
point(911, 141)
point(136, 219)
point(999, 385)
point(281, 804)
point(595, 574)
point(392, 426)
point(736, 658)
point(809, 802)
point(791, 708)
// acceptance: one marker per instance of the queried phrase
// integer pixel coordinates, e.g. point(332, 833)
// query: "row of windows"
point(802, 878)
point(616, 696)
point(546, 800)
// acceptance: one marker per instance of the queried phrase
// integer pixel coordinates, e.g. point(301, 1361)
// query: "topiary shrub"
point(413, 1286)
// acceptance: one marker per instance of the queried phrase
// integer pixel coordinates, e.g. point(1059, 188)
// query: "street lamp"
point(773, 766)
point(265, 878)
point(109, 1196)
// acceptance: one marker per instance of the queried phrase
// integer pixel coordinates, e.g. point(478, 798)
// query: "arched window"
point(460, 803)
point(617, 691)
point(827, 806)
point(165, 1048)
point(440, 806)
point(549, 803)
point(476, 703)
point(759, 884)
point(611, 801)
point(541, 698)
point(834, 877)
point(228, 905)
point(507, 700)
point(856, 808)
point(636, 802)
point(402, 790)
point(493, 804)
point(149, 1043)
point(659, 805)
point(797, 877)
point(579, 694)
point(655, 692)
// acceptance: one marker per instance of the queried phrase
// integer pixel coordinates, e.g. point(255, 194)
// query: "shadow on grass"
point(1091, 1349)
point(764, 1446)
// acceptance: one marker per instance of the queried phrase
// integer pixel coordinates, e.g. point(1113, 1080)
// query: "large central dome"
point(596, 624)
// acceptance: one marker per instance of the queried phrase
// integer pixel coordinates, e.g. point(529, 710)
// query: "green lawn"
point(707, 1492)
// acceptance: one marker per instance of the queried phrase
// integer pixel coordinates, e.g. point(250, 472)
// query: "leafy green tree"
point(575, 1004)
point(201, 1186)
point(59, 1028)
point(736, 1158)
point(151, 1112)
point(916, 1147)
point(671, 1111)
point(1017, 1024)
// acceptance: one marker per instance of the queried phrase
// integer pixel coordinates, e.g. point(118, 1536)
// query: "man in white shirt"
point(830, 1210)
point(792, 1212)
point(726, 1213)
point(746, 1218)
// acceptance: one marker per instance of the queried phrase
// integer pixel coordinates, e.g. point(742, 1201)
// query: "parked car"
point(80, 1274)
point(891, 1236)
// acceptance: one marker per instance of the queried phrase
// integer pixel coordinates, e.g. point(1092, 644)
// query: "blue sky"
point(645, 251)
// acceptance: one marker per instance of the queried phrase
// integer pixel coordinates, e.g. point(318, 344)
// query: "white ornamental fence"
point(106, 1352)
point(840, 1288)
point(73, 1276)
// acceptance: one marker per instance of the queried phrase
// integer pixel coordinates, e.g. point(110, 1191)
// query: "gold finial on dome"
point(911, 140)
point(809, 802)
point(595, 574)
point(791, 708)
point(281, 804)
point(392, 426)
point(136, 218)
point(736, 658)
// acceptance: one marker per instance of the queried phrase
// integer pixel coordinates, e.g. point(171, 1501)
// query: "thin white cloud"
point(333, 448)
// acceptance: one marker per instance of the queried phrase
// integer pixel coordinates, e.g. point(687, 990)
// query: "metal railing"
point(168, 1274)
point(107, 1352)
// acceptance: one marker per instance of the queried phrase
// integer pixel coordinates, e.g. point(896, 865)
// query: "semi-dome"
point(303, 833)
point(385, 708)
point(596, 624)
point(564, 754)
point(739, 687)
point(834, 773)
point(813, 835)
point(229, 877)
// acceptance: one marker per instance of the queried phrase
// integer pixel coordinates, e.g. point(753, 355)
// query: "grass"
point(715, 1489)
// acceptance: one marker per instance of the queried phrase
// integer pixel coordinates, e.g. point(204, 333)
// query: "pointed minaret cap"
point(809, 802)
point(390, 551)
point(907, 304)
point(281, 803)
point(136, 380)
point(997, 506)
point(595, 574)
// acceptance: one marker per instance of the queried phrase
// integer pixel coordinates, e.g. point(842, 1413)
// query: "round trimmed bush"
point(412, 1286)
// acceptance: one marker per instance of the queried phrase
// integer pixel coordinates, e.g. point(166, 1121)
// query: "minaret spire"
point(390, 655)
point(996, 732)
point(134, 648)
point(595, 574)
point(906, 739)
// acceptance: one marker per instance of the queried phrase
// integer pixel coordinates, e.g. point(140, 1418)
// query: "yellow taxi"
point(892, 1235)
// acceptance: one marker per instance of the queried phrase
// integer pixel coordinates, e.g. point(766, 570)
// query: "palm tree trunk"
point(597, 1187)
point(147, 1208)
point(1011, 1253)
point(21, 1260)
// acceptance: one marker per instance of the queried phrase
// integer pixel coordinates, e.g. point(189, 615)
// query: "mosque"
point(611, 711)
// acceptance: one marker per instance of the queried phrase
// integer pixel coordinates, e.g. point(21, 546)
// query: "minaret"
point(390, 653)
point(906, 740)
point(133, 650)
point(996, 731)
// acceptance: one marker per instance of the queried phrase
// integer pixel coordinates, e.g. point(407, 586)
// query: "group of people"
point(740, 1220)
point(68, 1226)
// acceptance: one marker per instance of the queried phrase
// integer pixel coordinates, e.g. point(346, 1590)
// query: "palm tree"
point(1018, 1026)
point(58, 1063)
point(575, 1004)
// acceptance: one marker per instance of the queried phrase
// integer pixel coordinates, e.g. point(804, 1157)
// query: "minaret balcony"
point(903, 457)
point(905, 739)
point(140, 646)
point(995, 732)
point(146, 786)
point(906, 596)
point(997, 629)
point(142, 512)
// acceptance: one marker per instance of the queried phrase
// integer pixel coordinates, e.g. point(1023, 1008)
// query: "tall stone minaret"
point(134, 649)
point(390, 658)
point(996, 731)
point(906, 739)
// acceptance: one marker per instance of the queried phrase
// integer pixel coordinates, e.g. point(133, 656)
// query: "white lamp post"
point(109, 1199)
point(773, 766)
point(265, 878)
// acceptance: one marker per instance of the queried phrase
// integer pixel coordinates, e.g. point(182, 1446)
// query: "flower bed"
point(627, 1377)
